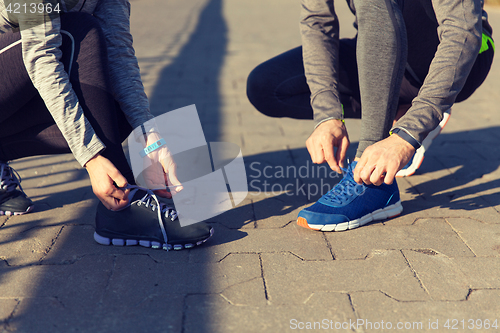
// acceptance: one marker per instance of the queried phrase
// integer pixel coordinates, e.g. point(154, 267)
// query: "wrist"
point(410, 148)
point(405, 136)
point(336, 122)
point(92, 161)
point(152, 147)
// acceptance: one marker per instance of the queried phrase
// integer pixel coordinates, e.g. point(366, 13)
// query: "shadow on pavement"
point(463, 160)
point(81, 286)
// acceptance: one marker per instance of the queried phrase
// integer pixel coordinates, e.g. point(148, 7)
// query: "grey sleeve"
point(40, 39)
point(319, 29)
point(459, 33)
point(114, 18)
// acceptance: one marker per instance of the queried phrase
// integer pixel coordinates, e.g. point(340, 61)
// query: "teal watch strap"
point(152, 147)
point(407, 137)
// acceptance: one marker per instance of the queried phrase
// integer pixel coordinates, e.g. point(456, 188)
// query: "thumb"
point(172, 180)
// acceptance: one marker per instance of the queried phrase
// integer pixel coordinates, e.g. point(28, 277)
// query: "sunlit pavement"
point(433, 268)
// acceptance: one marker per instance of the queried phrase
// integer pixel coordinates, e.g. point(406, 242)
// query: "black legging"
point(278, 87)
point(26, 126)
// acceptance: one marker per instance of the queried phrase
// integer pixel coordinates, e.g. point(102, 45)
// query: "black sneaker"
point(12, 200)
point(142, 223)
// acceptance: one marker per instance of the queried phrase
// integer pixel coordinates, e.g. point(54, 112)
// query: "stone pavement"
point(438, 261)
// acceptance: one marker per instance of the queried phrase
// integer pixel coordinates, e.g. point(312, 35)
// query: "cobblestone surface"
point(438, 261)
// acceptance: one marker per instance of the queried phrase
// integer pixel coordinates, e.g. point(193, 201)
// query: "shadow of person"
point(468, 162)
point(458, 173)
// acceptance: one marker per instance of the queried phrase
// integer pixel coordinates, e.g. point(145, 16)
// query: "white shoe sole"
point(419, 154)
point(9, 213)
point(379, 214)
point(145, 243)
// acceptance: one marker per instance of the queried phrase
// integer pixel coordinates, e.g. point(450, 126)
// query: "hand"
point(102, 175)
point(381, 161)
point(321, 143)
point(161, 170)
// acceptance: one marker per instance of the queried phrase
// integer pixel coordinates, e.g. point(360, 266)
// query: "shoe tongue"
point(136, 194)
point(350, 168)
point(353, 165)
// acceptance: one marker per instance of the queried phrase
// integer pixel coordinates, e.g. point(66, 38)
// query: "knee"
point(83, 27)
point(254, 83)
point(259, 89)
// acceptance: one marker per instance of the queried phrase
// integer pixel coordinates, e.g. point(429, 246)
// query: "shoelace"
point(342, 192)
point(9, 178)
point(160, 207)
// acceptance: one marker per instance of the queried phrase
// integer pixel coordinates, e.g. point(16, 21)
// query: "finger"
point(389, 178)
point(163, 194)
point(105, 203)
point(366, 173)
point(170, 175)
point(174, 187)
point(121, 182)
point(117, 193)
point(377, 176)
point(119, 204)
point(330, 157)
point(390, 174)
point(110, 203)
point(357, 170)
point(118, 178)
point(342, 151)
point(311, 148)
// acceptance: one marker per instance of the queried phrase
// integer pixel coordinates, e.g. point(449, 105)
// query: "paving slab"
point(77, 213)
point(387, 271)
point(483, 239)
point(290, 239)
point(7, 307)
point(241, 217)
point(433, 234)
point(260, 272)
point(438, 274)
point(210, 313)
point(50, 314)
point(84, 280)
point(137, 277)
point(77, 241)
point(416, 208)
point(431, 316)
point(480, 273)
point(29, 247)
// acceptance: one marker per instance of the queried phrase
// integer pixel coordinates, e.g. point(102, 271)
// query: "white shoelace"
point(169, 212)
point(9, 178)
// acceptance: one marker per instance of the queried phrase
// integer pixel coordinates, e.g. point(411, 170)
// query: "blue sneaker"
point(350, 205)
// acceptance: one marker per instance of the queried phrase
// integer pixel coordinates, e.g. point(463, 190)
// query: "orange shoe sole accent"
point(303, 223)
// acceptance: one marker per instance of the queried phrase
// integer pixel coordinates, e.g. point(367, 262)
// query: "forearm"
point(114, 18)
point(41, 55)
point(319, 28)
point(460, 40)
